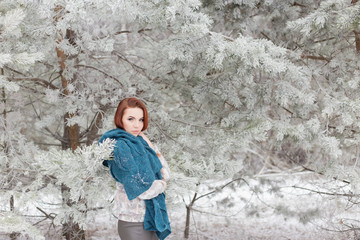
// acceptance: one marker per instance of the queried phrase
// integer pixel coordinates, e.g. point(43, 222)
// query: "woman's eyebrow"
point(134, 117)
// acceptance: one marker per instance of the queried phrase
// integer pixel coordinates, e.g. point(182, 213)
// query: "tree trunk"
point(357, 34)
point(187, 223)
point(13, 235)
point(188, 213)
point(71, 230)
point(357, 41)
point(94, 128)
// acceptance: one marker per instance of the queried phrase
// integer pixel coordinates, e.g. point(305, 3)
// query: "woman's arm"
point(156, 188)
point(165, 171)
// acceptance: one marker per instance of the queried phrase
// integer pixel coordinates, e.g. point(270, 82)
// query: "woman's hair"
point(130, 103)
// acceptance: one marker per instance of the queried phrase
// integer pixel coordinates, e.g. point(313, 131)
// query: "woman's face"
point(133, 120)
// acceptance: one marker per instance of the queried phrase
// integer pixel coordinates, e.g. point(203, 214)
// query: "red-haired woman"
point(141, 173)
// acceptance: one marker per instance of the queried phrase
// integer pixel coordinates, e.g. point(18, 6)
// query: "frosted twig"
point(328, 193)
point(15, 71)
point(217, 215)
point(217, 189)
point(93, 123)
point(18, 169)
point(280, 174)
point(39, 81)
point(56, 136)
point(314, 171)
point(46, 214)
point(257, 196)
point(194, 125)
point(136, 67)
point(182, 145)
point(101, 71)
point(48, 144)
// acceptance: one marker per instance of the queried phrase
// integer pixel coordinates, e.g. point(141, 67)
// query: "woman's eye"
point(130, 119)
point(141, 120)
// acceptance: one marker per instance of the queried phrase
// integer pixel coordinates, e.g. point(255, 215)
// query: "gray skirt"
point(134, 231)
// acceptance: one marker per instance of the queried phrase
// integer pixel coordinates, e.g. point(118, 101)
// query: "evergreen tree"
point(18, 52)
point(329, 44)
point(223, 80)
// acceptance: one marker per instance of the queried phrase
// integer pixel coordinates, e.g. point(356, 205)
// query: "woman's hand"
point(164, 174)
point(164, 183)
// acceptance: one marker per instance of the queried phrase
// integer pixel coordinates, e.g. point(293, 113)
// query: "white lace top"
point(134, 210)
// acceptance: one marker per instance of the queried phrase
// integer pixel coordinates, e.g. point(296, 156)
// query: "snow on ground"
point(258, 210)
point(253, 210)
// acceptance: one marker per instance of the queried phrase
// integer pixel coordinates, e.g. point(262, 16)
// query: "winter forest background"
point(254, 103)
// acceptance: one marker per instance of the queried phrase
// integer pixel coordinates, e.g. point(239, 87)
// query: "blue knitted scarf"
point(137, 166)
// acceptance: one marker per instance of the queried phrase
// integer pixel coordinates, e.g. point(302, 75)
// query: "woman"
point(141, 174)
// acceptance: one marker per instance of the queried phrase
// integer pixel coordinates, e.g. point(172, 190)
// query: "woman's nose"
point(136, 124)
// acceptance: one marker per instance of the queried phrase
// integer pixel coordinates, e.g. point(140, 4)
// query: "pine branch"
point(46, 214)
point(121, 32)
point(38, 81)
point(287, 110)
point(351, 130)
point(33, 90)
point(91, 131)
point(144, 30)
point(324, 40)
point(128, 31)
point(321, 58)
point(328, 193)
point(94, 209)
point(9, 111)
point(56, 136)
point(350, 229)
point(128, 61)
point(182, 145)
point(6, 112)
point(6, 170)
point(314, 171)
point(299, 5)
point(218, 189)
point(48, 144)
point(136, 67)
point(15, 71)
point(266, 36)
point(92, 124)
point(214, 214)
point(194, 125)
point(99, 70)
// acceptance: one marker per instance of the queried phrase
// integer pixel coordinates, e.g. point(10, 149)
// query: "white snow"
point(290, 213)
point(257, 209)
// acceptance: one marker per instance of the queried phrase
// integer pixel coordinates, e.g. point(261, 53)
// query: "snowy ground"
point(256, 209)
point(259, 210)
